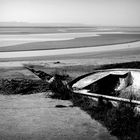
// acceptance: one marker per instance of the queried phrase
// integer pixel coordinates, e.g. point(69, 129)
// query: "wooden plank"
point(86, 93)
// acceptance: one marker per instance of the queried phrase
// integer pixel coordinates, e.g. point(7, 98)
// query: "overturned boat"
point(111, 85)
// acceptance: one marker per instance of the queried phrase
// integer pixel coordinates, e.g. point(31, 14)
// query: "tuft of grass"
point(22, 86)
point(59, 88)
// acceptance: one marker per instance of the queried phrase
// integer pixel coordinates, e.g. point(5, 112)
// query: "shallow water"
point(13, 39)
point(9, 40)
point(19, 54)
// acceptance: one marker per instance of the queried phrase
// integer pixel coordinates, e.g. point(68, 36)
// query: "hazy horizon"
point(79, 12)
point(35, 24)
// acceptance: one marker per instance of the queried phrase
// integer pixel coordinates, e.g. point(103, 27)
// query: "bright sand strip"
point(10, 40)
point(69, 51)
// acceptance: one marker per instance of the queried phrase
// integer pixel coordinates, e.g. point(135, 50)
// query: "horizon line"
point(45, 24)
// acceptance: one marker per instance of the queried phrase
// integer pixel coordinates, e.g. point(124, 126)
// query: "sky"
point(89, 12)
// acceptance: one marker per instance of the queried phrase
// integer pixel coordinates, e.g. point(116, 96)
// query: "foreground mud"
point(36, 117)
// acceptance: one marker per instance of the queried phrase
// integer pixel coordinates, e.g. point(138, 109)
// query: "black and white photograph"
point(69, 69)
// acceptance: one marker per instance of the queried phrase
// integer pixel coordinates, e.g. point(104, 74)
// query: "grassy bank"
point(121, 122)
